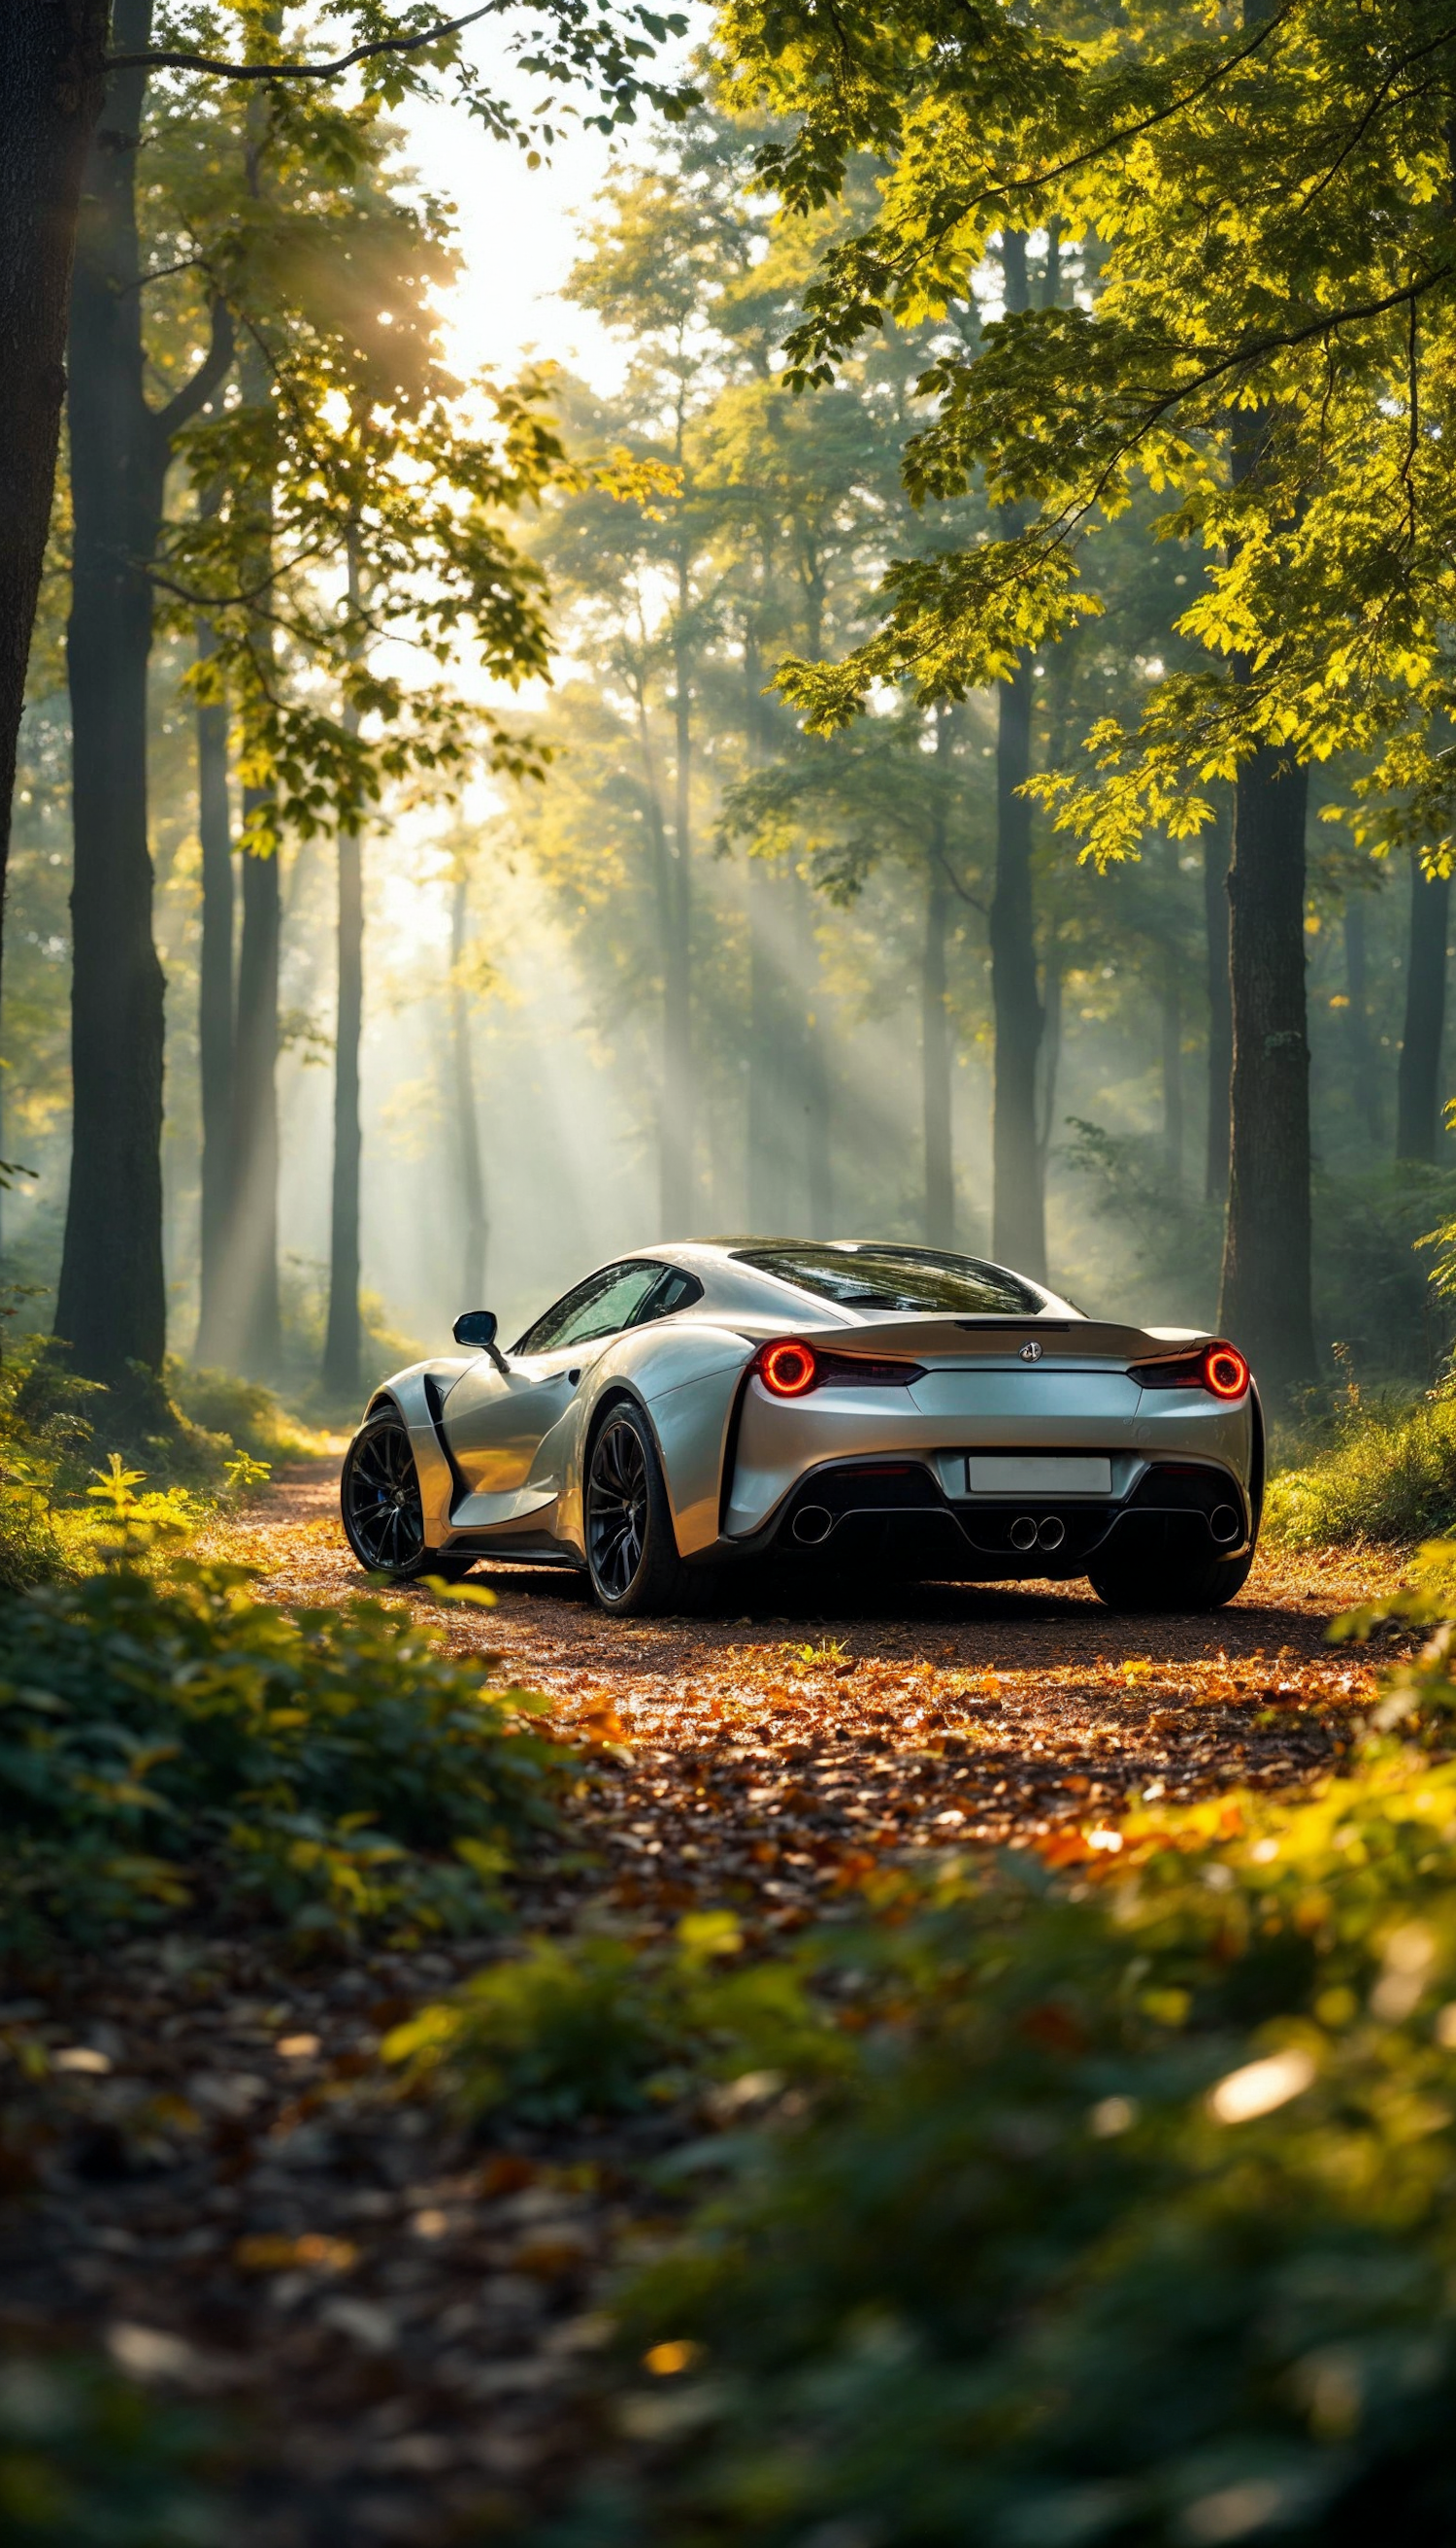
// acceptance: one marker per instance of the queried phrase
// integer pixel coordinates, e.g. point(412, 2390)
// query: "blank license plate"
point(1022, 1473)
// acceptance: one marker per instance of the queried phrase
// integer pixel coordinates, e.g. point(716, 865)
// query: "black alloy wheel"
point(618, 1508)
point(379, 1493)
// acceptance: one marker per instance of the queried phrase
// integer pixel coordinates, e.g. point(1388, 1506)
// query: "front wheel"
point(1196, 1584)
point(381, 1509)
point(632, 1559)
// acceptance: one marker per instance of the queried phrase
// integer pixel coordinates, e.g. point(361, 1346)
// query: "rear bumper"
point(898, 1511)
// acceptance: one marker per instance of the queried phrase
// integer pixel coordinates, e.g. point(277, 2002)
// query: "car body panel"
point(503, 1453)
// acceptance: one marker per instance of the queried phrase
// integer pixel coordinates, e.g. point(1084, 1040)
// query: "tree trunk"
point(1265, 1303)
point(1419, 1082)
point(767, 1076)
point(935, 1057)
point(467, 1112)
point(1265, 1294)
point(765, 1177)
point(814, 1170)
point(342, 1337)
point(1364, 1081)
point(1051, 1007)
point(1017, 1210)
point(1172, 1038)
point(1019, 1229)
point(50, 92)
point(1220, 1017)
point(111, 1305)
point(937, 1040)
point(677, 1091)
point(256, 1321)
point(214, 1012)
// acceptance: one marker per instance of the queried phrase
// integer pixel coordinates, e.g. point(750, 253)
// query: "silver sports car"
point(698, 1405)
point(862, 1406)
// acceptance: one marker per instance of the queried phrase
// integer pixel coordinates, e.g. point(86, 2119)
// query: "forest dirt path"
point(775, 1749)
point(205, 2172)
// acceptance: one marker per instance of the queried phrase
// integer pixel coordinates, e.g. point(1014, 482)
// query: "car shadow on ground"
point(1055, 1621)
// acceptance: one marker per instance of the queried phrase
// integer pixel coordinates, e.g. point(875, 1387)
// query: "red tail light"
point(1225, 1371)
point(1220, 1369)
point(789, 1368)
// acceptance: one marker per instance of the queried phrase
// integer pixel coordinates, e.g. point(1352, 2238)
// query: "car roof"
point(732, 1286)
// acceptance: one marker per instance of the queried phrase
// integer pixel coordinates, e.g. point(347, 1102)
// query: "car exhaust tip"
point(811, 1524)
point(1224, 1525)
point(1052, 1532)
point(1022, 1532)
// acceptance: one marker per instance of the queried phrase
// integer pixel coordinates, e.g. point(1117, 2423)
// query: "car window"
point(899, 1278)
point(599, 1306)
point(675, 1292)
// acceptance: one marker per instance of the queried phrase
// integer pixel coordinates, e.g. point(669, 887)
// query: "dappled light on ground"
point(222, 2183)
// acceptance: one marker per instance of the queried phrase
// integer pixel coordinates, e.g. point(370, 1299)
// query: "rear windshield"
point(899, 1278)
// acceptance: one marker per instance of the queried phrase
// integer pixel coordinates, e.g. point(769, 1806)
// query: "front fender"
point(417, 1393)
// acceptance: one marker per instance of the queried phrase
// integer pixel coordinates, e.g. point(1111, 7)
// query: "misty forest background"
point(474, 976)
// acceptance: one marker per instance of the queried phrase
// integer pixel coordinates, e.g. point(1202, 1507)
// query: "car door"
point(496, 1420)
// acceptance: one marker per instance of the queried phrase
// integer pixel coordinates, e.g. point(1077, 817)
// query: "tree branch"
point(211, 371)
point(177, 61)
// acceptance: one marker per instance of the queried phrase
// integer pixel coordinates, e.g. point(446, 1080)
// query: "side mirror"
point(476, 1327)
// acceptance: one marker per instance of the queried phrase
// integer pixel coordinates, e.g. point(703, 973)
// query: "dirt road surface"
point(204, 2172)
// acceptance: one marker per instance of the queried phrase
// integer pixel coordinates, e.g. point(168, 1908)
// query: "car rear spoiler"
point(969, 1340)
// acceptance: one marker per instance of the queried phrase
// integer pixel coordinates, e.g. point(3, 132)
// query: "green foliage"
point(1255, 215)
point(1130, 2220)
point(87, 2460)
point(242, 1412)
point(1388, 1473)
point(603, 2026)
point(163, 1744)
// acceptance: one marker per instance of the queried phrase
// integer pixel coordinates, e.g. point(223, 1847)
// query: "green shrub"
point(241, 1412)
point(601, 2025)
point(89, 2461)
point(1132, 2221)
point(1388, 1473)
point(163, 1743)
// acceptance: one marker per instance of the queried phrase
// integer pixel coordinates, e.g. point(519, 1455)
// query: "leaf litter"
point(205, 2170)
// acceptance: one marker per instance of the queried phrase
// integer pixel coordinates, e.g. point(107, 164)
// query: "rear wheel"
point(1164, 1584)
point(632, 1558)
point(379, 1500)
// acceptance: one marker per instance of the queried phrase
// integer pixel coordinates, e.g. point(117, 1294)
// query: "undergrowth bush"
point(88, 2460)
point(1386, 1473)
point(603, 2026)
point(1131, 2218)
point(201, 1439)
point(176, 1742)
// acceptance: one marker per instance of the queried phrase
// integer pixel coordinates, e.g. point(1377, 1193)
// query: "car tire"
point(1200, 1584)
point(632, 1560)
point(381, 1509)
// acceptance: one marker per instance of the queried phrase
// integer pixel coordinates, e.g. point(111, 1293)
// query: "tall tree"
point(214, 1005)
point(53, 80)
point(111, 1306)
point(342, 1337)
point(1018, 1216)
point(51, 90)
point(470, 1163)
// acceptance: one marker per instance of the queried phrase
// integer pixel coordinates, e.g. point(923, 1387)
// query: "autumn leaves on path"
point(773, 1758)
point(208, 2173)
